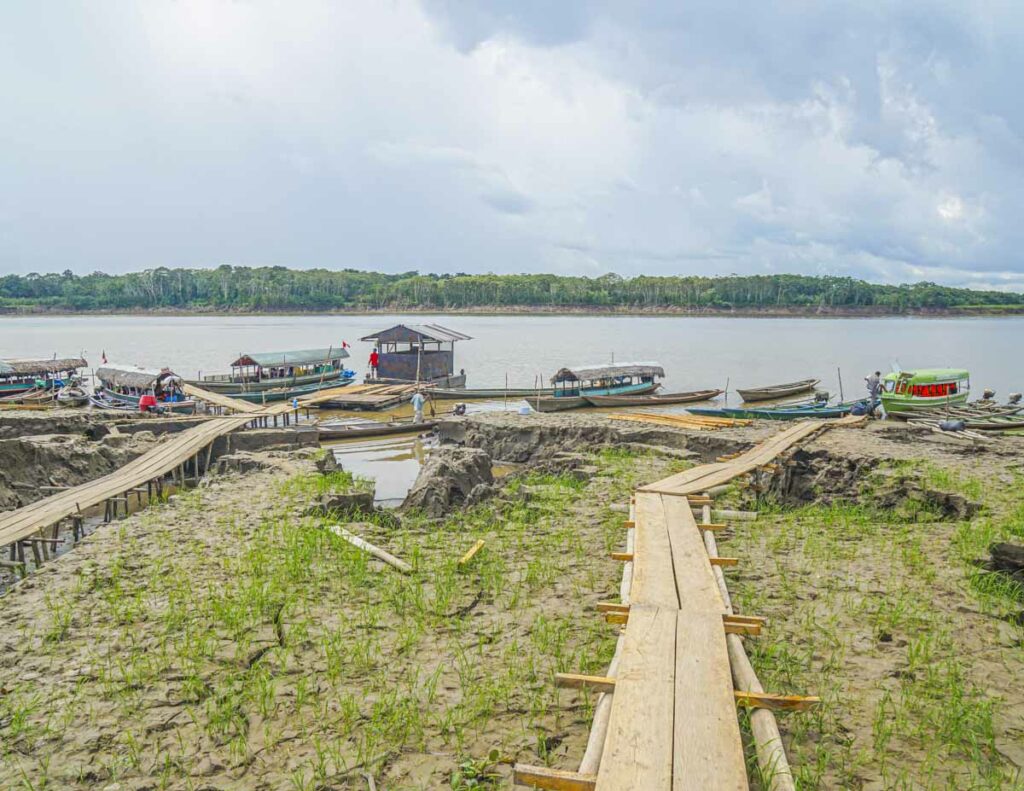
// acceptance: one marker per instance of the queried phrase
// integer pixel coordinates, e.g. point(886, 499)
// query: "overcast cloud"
point(880, 140)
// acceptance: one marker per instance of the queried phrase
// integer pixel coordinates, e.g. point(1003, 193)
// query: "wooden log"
point(554, 779)
point(366, 546)
point(764, 700)
point(471, 552)
point(579, 681)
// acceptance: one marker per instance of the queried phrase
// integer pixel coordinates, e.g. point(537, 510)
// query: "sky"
point(880, 140)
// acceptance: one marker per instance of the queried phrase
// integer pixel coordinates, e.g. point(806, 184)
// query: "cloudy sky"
point(881, 140)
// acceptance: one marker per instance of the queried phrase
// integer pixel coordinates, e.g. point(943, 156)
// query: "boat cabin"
point(417, 353)
point(925, 387)
point(132, 382)
point(607, 379)
point(19, 376)
point(259, 366)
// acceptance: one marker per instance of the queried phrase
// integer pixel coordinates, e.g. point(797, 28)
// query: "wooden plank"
point(653, 579)
point(626, 557)
point(765, 700)
point(708, 750)
point(579, 681)
point(471, 552)
point(695, 583)
point(556, 779)
point(638, 749)
point(611, 606)
point(713, 526)
point(616, 617)
point(724, 561)
point(732, 627)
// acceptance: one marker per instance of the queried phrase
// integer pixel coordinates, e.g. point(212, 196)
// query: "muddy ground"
point(228, 640)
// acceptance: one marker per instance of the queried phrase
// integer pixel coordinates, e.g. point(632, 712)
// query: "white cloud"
point(659, 138)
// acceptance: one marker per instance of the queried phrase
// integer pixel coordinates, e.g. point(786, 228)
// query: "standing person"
point(874, 385)
point(374, 359)
point(417, 405)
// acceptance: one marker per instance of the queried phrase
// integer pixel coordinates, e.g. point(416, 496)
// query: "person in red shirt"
point(374, 359)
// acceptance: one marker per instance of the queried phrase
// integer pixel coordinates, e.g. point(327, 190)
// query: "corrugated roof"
point(425, 332)
point(29, 367)
point(586, 373)
point(297, 357)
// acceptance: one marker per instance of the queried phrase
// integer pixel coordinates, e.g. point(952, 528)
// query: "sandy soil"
point(222, 641)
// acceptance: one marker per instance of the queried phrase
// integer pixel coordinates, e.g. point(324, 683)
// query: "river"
point(696, 353)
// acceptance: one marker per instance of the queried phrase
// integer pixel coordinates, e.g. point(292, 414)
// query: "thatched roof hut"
point(41, 367)
point(591, 373)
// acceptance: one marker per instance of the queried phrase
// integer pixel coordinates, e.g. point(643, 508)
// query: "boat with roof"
point(924, 390)
point(254, 372)
point(19, 378)
point(573, 385)
point(131, 387)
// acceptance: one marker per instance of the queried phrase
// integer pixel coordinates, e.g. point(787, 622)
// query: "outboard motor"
point(459, 409)
point(1014, 398)
point(988, 394)
point(821, 397)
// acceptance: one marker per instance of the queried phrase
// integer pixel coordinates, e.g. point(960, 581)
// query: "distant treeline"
point(245, 289)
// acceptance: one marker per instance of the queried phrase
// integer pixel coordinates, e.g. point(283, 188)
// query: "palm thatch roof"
point(298, 357)
point(113, 375)
point(589, 373)
point(36, 367)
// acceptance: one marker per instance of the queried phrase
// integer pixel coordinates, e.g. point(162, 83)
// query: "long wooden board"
point(653, 576)
point(638, 748)
point(693, 578)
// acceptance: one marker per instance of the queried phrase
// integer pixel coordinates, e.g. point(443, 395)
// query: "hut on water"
point(418, 353)
point(20, 376)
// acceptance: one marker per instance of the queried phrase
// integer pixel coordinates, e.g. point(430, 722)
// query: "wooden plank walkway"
point(673, 724)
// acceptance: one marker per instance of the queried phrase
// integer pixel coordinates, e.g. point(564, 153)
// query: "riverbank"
point(227, 638)
point(776, 312)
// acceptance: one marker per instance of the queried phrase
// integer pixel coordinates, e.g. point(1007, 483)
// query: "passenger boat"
point(488, 393)
point(573, 385)
point(258, 371)
point(924, 390)
point(20, 376)
point(777, 391)
point(125, 385)
point(653, 399)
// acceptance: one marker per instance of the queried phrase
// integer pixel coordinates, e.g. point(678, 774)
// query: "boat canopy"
point(131, 375)
point(299, 357)
point(416, 333)
point(590, 373)
point(34, 367)
point(929, 375)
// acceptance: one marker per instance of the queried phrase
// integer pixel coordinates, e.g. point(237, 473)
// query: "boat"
point(73, 395)
point(371, 429)
point(287, 393)
point(126, 385)
point(652, 399)
point(39, 396)
point(928, 390)
point(777, 391)
point(488, 393)
point(573, 385)
point(779, 413)
point(255, 372)
point(18, 377)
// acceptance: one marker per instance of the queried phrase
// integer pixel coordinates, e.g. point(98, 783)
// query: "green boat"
point(926, 389)
point(254, 372)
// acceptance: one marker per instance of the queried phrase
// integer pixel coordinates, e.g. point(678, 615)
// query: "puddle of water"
point(393, 462)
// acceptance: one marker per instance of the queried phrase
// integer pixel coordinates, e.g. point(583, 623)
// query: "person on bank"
point(374, 359)
point(874, 385)
point(417, 404)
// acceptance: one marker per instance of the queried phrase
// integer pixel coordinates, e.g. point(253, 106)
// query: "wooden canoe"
point(652, 399)
point(777, 391)
point(489, 393)
point(364, 430)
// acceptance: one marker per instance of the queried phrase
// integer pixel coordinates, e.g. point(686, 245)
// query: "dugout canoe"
point(777, 391)
point(488, 393)
point(652, 399)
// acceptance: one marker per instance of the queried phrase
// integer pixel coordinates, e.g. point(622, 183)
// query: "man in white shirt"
point(417, 404)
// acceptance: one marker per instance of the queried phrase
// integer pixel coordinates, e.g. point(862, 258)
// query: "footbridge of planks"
point(36, 526)
point(672, 724)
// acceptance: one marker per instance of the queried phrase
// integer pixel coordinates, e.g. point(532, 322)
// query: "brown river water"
point(697, 353)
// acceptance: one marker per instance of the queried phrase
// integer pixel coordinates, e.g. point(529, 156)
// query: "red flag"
point(344, 345)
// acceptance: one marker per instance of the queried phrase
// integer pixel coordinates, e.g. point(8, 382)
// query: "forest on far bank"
point(245, 289)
